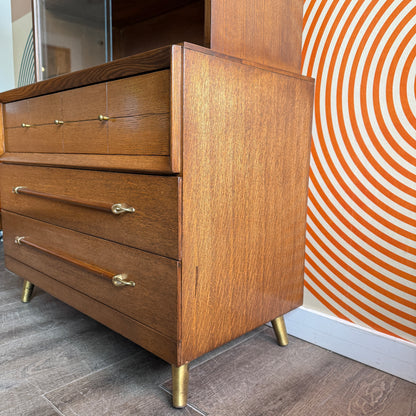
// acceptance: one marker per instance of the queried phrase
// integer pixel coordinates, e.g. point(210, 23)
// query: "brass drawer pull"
point(118, 209)
point(25, 125)
point(115, 209)
point(118, 280)
point(103, 118)
point(58, 122)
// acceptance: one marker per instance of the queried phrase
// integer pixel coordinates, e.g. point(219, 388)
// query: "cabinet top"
point(141, 63)
point(132, 65)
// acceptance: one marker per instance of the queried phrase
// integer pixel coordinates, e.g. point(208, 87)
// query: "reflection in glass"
point(71, 35)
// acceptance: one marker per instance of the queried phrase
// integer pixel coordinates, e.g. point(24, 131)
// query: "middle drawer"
point(88, 201)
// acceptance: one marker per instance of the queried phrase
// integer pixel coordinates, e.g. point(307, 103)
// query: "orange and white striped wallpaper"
point(361, 230)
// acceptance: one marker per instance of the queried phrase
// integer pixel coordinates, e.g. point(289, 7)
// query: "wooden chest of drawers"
point(164, 195)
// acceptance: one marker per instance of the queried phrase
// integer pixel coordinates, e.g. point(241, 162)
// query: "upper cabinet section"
point(76, 34)
point(139, 26)
point(268, 32)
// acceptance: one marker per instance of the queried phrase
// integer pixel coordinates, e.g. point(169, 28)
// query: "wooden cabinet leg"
point(280, 331)
point(27, 291)
point(180, 378)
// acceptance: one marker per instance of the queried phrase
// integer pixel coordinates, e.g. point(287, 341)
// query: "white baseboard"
point(384, 352)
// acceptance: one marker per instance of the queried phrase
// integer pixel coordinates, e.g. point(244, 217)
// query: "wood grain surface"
point(264, 31)
point(81, 132)
point(133, 65)
point(46, 138)
point(185, 22)
point(246, 148)
point(126, 12)
point(146, 135)
point(1, 141)
point(155, 199)
point(136, 163)
point(35, 111)
point(1, 129)
point(13, 111)
point(176, 89)
point(258, 65)
point(153, 341)
point(144, 94)
point(138, 135)
point(85, 103)
point(152, 301)
point(250, 376)
point(83, 137)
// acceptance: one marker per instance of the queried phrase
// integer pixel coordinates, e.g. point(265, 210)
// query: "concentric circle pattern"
point(361, 230)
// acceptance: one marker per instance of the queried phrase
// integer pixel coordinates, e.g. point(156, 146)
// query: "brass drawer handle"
point(115, 209)
point(118, 209)
point(118, 280)
point(58, 122)
point(103, 118)
point(26, 125)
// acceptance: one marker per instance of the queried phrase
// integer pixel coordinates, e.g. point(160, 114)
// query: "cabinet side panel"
point(246, 151)
point(264, 31)
point(1, 145)
point(1, 129)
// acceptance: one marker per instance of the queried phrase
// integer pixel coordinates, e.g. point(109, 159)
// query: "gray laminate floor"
point(56, 361)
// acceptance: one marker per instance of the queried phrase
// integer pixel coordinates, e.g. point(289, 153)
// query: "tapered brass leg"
point(27, 291)
point(180, 378)
point(280, 331)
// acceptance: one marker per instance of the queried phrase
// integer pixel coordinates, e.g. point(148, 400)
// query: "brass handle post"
point(25, 125)
point(103, 118)
point(58, 122)
point(118, 280)
point(115, 209)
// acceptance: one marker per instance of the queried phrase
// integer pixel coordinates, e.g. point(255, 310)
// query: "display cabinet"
point(74, 34)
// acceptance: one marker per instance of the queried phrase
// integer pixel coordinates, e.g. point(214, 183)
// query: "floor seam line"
point(91, 373)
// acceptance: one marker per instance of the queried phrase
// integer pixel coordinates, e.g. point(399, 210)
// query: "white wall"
point(6, 47)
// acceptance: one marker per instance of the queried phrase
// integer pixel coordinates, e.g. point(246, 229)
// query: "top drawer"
point(124, 117)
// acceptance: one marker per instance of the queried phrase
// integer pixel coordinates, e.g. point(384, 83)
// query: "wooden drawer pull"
point(117, 280)
point(116, 209)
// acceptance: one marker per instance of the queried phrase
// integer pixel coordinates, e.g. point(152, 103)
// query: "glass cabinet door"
point(71, 35)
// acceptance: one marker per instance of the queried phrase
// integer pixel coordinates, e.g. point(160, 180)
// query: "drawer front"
point(144, 94)
point(124, 139)
point(15, 113)
point(33, 111)
point(85, 103)
point(85, 137)
point(87, 264)
point(81, 200)
point(46, 138)
point(134, 112)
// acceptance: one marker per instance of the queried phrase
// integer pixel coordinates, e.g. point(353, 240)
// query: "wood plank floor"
point(56, 361)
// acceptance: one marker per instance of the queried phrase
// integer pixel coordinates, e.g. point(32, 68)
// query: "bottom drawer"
point(87, 264)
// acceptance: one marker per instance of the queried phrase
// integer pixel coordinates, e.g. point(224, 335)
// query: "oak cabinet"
point(164, 194)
